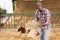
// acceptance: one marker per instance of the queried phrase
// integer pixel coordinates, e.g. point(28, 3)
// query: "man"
point(43, 16)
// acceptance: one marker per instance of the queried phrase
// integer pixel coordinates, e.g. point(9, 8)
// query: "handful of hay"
point(32, 23)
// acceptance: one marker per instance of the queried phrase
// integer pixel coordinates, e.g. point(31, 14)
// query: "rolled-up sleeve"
point(48, 15)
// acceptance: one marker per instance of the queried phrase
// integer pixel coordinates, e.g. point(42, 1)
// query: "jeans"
point(44, 35)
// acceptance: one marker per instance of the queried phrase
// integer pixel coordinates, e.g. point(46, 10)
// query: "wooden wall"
point(30, 6)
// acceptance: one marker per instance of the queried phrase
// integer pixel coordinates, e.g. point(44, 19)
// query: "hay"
point(8, 35)
point(34, 27)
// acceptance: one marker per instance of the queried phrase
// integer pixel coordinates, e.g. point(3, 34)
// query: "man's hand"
point(44, 29)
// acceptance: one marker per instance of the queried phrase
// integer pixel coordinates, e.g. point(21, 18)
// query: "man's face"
point(39, 6)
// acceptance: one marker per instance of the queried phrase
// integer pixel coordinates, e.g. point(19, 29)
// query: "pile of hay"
point(11, 35)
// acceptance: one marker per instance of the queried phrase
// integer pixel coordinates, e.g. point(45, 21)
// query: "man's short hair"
point(38, 3)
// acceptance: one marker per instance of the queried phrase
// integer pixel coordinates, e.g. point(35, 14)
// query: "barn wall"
point(30, 6)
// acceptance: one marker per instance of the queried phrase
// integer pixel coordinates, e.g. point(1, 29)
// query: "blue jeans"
point(44, 35)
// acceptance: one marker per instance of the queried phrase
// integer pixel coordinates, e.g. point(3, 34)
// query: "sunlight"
point(7, 4)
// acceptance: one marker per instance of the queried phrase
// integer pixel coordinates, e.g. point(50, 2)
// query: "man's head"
point(39, 5)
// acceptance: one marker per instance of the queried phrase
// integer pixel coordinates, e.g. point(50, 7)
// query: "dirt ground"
point(12, 34)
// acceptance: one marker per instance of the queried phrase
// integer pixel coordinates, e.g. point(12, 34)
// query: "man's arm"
point(36, 15)
point(47, 17)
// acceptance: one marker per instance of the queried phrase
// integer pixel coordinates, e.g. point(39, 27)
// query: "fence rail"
point(15, 20)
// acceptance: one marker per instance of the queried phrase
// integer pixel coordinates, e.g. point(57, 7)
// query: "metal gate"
point(15, 20)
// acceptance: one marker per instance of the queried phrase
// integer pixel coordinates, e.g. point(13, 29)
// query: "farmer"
point(43, 17)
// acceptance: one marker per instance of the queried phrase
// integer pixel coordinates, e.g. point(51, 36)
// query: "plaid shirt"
point(43, 16)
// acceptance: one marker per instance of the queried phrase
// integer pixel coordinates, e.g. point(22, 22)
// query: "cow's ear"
point(19, 29)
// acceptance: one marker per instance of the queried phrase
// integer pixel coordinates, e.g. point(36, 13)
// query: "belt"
point(45, 25)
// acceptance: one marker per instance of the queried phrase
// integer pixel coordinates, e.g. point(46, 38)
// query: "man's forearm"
point(45, 23)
